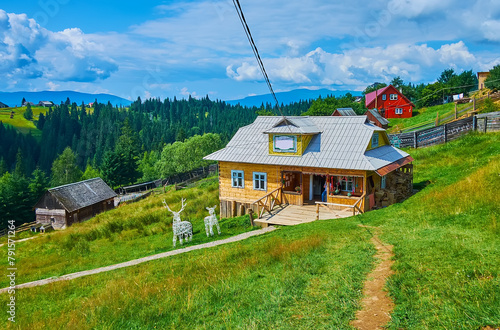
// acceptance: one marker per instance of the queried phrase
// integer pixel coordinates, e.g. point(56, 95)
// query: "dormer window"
point(285, 143)
point(375, 140)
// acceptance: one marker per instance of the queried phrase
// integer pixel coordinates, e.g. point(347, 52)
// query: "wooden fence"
point(451, 115)
point(487, 122)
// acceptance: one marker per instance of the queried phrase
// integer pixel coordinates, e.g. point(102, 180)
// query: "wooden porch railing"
point(354, 207)
point(269, 201)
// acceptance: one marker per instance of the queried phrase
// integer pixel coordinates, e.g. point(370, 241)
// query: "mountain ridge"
point(14, 98)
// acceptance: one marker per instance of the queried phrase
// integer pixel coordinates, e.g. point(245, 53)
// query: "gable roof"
point(378, 116)
point(341, 144)
point(294, 125)
point(345, 112)
point(3, 105)
point(81, 194)
point(370, 97)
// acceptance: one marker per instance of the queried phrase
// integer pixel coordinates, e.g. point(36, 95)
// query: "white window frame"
point(399, 111)
point(294, 138)
point(347, 184)
point(260, 181)
point(394, 97)
point(375, 139)
point(383, 182)
point(384, 97)
point(235, 176)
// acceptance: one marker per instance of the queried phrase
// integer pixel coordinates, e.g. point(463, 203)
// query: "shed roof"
point(346, 112)
point(378, 116)
point(81, 194)
point(341, 144)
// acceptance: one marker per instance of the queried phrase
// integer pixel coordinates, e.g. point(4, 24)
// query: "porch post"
point(311, 192)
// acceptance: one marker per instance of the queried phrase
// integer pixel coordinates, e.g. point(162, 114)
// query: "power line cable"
point(243, 21)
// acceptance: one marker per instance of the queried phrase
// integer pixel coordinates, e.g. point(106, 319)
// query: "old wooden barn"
point(340, 160)
point(76, 202)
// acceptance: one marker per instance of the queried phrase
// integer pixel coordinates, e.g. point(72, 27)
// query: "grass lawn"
point(296, 277)
point(22, 124)
point(423, 116)
point(446, 238)
point(125, 233)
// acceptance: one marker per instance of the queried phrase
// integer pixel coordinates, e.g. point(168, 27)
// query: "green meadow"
point(22, 124)
point(446, 243)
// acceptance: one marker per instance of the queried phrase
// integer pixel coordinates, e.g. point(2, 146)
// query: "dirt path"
point(144, 259)
point(377, 306)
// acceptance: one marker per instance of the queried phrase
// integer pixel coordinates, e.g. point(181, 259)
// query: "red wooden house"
point(390, 102)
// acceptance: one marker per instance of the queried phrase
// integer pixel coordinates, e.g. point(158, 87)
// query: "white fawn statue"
point(181, 229)
point(211, 221)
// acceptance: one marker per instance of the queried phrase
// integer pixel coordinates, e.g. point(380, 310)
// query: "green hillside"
point(446, 243)
point(22, 124)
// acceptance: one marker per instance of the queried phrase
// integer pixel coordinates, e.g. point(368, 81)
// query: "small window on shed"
point(383, 182)
point(384, 97)
point(375, 140)
point(394, 97)
point(399, 111)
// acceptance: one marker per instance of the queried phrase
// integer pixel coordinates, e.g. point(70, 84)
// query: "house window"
point(346, 183)
point(394, 97)
point(399, 111)
point(384, 97)
point(285, 143)
point(383, 182)
point(237, 179)
point(259, 181)
point(375, 140)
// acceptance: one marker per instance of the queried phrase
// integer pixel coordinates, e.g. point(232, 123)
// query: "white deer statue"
point(181, 229)
point(210, 221)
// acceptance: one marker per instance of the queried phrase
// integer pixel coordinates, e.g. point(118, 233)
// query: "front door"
point(318, 186)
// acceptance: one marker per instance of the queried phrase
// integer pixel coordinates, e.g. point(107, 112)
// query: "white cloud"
point(28, 51)
point(360, 66)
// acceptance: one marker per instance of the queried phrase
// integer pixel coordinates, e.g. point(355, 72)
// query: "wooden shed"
point(76, 202)
point(301, 160)
point(344, 112)
point(376, 118)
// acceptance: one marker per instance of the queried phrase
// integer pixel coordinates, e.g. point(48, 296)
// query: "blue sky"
point(161, 49)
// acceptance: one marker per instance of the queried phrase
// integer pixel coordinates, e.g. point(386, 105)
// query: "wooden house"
point(297, 158)
point(376, 118)
point(45, 104)
point(76, 202)
point(344, 112)
point(3, 105)
point(390, 102)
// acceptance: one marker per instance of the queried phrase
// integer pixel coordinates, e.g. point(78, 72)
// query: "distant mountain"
point(290, 97)
point(14, 98)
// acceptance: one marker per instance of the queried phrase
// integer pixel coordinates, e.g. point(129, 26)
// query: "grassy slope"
point(22, 124)
point(303, 276)
point(127, 232)
point(446, 238)
point(446, 242)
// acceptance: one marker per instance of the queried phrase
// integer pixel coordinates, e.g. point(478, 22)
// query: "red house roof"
point(370, 97)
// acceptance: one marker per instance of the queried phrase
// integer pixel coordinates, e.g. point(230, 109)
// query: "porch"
point(291, 215)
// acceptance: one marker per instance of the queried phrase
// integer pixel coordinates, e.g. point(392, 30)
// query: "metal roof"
point(346, 112)
point(81, 194)
point(294, 125)
point(341, 144)
point(378, 116)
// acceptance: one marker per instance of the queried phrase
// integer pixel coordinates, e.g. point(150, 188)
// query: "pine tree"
point(28, 114)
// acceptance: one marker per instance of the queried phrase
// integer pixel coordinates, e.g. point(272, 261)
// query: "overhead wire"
point(246, 28)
